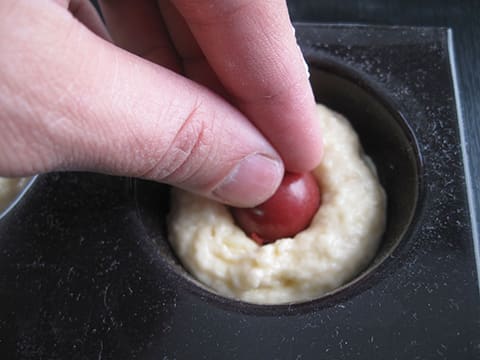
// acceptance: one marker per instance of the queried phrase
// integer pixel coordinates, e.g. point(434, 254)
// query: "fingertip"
point(294, 128)
point(310, 150)
point(251, 182)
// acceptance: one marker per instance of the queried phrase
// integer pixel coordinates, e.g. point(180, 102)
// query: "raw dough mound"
point(341, 240)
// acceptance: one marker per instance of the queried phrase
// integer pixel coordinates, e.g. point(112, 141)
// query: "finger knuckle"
point(191, 147)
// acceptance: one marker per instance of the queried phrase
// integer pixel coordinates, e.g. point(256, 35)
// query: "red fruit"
point(289, 211)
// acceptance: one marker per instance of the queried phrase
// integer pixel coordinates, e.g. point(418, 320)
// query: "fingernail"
point(252, 181)
point(307, 70)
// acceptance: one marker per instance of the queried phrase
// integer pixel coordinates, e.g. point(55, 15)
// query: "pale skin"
point(207, 95)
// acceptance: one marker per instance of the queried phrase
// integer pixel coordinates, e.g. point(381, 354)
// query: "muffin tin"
point(86, 270)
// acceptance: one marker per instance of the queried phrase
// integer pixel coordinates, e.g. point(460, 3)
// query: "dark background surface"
point(463, 17)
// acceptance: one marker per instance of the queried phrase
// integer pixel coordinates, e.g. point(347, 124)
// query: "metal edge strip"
point(466, 159)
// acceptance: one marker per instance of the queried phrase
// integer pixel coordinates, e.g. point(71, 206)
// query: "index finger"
point(252, 48)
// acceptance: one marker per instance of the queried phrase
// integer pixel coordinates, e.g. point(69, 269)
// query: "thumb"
point(88, 105)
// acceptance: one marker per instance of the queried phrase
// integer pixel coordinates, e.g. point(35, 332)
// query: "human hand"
point(182, 98)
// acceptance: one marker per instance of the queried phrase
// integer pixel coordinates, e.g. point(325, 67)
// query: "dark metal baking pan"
point(86, 271)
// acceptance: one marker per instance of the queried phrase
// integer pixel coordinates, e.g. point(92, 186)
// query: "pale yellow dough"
point(9, 189)
point(341, 240)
